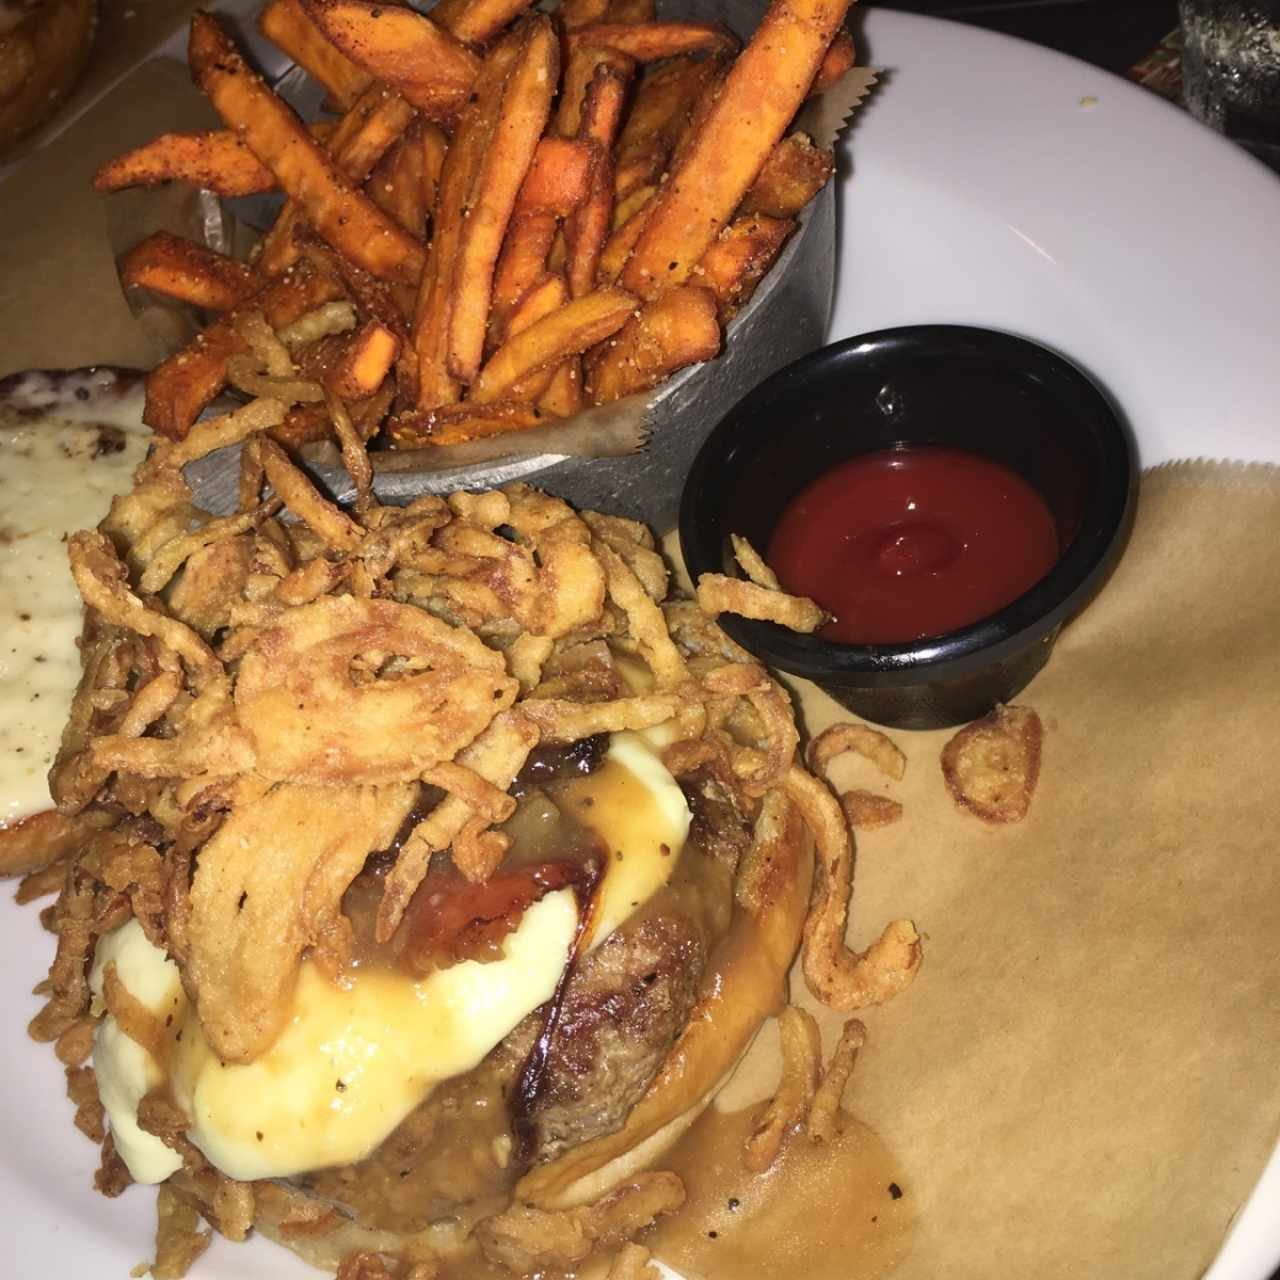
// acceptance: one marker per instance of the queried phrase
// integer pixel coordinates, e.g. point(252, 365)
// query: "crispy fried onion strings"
point(719, 594)
point(349, 690)
point(823, 1122)
point(529, 1241)
point(495, 757)
point(843, 979)
point(104, 584)
point(807, 1098)
point(251, 917)
point(861, 739)
point(752, 563)
point(801, 1062)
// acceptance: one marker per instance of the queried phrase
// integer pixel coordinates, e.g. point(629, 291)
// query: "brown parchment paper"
point(1084, 1080)
point(60, 299)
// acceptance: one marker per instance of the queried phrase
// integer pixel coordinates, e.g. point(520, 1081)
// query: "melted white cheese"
point(355, 1059)
point(124, 1070)
point(56, 476)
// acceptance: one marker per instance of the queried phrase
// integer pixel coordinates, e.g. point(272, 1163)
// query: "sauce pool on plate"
point(822, 1211)
point(906, 543)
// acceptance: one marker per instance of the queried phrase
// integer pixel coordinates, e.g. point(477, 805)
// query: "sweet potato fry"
point(555, 259)
point(733, 266)
point(520, 209)
point(835, 62)
point(760, 96)
point(435, 144)
point(559, 179)
point(286, 24)
point(308, 423)
point(303, 424)
point(362, 137)
point(373, 297)
point(525, 110)
point(659, 113)
point(187, 271)
point(563, 396)
point(398, 183)
point(679, 328)
point(625, 207)
point(617, 249)
point(341, 213)
point(418, 58)
point(477, 21)
point(651, 41)
point(436, 386)
point(700, 112)
point(179, 389)
point(522, 261)
point(365, 361)
point(568, 332)
point(215, 160)
point(558, 182)
point(545, 296)
point(454, 423)
point(579, 70)
point(480, 421)
point(793, 174)
point(576, 14)
point(586, 230)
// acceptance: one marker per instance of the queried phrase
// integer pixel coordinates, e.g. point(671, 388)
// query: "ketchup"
point(913, 542)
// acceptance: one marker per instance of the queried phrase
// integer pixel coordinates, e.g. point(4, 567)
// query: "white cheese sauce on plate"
point(68, 444)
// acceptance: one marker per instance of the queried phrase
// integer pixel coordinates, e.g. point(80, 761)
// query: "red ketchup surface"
point(913, 542)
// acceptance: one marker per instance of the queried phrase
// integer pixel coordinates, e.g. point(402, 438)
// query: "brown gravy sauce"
point(838, 1211)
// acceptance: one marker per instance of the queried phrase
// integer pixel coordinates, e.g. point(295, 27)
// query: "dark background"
point(1109, 33)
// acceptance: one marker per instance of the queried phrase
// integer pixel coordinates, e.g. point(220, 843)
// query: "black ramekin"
point(969, 388)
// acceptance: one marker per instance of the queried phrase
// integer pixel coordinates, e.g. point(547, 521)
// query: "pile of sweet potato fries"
point(512, 216)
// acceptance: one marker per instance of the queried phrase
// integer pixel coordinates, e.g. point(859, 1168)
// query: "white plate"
point(986, 191)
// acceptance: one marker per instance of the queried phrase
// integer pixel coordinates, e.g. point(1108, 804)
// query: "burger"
point(445, 866)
